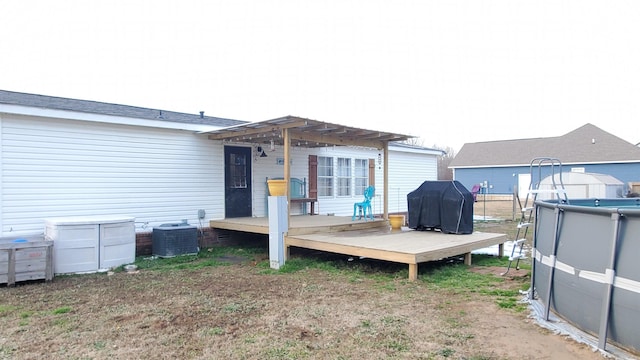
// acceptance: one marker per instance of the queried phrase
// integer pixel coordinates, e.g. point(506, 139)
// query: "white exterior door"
point(524, 180)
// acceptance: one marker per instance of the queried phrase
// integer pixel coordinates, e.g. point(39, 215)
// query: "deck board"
point(371, 239)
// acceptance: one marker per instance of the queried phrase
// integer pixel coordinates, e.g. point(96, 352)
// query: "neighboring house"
point(505, 166)
point(69, 157)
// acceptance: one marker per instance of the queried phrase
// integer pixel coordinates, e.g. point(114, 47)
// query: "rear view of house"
point(64, 157)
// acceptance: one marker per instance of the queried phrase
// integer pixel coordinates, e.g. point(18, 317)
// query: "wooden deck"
point(371, 239)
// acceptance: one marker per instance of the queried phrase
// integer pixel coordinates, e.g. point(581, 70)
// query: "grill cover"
point(444, 205)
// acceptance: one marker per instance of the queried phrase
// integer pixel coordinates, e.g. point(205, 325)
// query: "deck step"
point(357, 225)
point(524, 225)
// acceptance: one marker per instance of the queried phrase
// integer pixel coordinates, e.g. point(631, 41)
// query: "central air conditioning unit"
point(169, 240)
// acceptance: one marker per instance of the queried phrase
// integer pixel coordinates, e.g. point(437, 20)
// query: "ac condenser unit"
point(169, 240)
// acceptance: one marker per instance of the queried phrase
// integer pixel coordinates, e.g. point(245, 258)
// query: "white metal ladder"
point(527, 209)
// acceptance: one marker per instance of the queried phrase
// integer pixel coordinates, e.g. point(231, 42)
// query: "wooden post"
point(287, 170)
point(413, 272)
point(287, 250)
point(385, 199)
point(11, 275)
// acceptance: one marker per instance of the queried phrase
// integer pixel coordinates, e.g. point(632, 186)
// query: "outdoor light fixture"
point(260, 151)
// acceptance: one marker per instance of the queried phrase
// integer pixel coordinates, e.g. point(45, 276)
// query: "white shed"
point(581, 185)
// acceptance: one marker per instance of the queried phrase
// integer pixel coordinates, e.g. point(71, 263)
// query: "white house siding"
point(272, 167)
point(55, 167)
point(269, 167)
point(407, 171)
point(343, 205)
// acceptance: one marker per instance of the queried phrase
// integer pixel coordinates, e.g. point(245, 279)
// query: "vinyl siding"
point(503, 180)
point(407, 171)
point(54, 167)
point(268, 167)
point(500, 180)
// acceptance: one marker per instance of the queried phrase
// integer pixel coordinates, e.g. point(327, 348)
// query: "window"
point(325, 176)
point(344, 177)
point(361, 175)
point(349, 177)
point(238, 171)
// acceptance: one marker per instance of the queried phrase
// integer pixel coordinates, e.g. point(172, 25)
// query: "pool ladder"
point(527, 216)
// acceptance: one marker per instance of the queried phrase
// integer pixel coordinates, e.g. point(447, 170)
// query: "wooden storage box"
point(25, 260)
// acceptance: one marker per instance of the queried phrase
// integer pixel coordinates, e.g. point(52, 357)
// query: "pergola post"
point(287, 170)
point(386, 180)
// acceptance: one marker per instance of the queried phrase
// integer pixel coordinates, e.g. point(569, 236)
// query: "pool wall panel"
point(582, 270)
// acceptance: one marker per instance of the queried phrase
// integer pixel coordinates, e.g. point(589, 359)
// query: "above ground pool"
point(586, 268)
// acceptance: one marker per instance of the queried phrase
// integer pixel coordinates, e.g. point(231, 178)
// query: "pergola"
point(302, 132)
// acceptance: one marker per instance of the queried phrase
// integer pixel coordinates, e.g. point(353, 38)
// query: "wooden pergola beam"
point(335, 140)
point(246, 131)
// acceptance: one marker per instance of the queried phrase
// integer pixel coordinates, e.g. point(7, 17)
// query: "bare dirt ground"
point(244, 310)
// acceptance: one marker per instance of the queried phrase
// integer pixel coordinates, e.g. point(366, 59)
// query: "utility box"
point(169, 240)
point(278, 225)
point(85, 244)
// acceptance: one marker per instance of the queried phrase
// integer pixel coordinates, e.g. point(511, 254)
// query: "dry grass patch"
point(320, 306)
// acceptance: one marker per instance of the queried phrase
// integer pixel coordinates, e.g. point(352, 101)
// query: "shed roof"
point(587, 144)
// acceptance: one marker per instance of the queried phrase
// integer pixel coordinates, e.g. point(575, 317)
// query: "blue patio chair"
point(363, 208)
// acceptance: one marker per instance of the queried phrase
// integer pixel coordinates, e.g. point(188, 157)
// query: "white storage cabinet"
point(86, 244)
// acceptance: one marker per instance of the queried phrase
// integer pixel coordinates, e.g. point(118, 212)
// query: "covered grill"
point(444, 205)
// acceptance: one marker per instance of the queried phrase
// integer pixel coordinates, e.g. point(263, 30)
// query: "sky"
point(447, 72)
